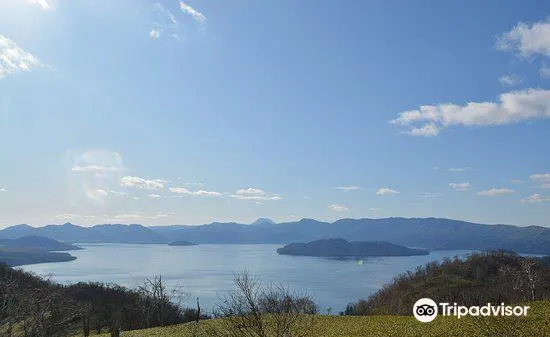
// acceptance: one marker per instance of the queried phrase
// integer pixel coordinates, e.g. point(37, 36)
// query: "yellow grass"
point(537, 323)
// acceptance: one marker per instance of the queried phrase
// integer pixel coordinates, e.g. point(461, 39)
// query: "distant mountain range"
point(36, 243)
point(428, 233)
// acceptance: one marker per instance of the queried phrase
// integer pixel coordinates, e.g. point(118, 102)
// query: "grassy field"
point(537, 323)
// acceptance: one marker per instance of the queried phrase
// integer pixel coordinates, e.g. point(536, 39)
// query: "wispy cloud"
point(161, 10)
point(430, 195)
point(95, 168)
point(512, 107)
point(14, 60)
point(154, 196)
point(348, 188)
point(386, 191)
point(41, 3)
point(461, 187)
point(67, 216)
point(141, 216)
point(493, 192)
point(146, 184)
point(198, 16)
point(118, 193)
point(200, 193)
point(509, 80)
point(254, 194)
point(542, 179)
point(3, 189)
point(164, 20)
point(338, 208)
point(536, 198)
point(460, 169)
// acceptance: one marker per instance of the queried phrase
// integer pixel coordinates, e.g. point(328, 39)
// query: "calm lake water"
point(207, 271)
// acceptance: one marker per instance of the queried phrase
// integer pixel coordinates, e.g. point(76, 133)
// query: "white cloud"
point(347, 188)
point(198, 16)
point(3, 190)
point(154, 196)
point(535, 198)
point(40, 3)
point(250, 192)
point(130, 181)
point(462, 187)
point(200, 193)
point(460, 169)
point(14, 60)
point(118, 193)
point(338, 208)
point(95, 168)
point(542, 179)
point(141, 216)
point(155, 33)
point(527, 39)
point(254, 194)
point(67, 216)
point(130, 216)
point(512, 107)
point(509, 80)
point(427, 130)
point(493, 192)
point(430, 195)
point(386, 191)
point(374, 209)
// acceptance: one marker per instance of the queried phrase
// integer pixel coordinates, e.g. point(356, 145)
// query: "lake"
point(207, 270)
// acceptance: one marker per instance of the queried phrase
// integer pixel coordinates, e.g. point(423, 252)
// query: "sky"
point(172, 112)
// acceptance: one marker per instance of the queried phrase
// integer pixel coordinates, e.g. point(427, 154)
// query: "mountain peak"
point(263, 221)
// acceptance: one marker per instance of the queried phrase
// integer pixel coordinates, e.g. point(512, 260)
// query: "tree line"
point(495, 277)
point(33, 306)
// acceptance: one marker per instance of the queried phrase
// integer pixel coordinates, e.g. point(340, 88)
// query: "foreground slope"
point(536, 324)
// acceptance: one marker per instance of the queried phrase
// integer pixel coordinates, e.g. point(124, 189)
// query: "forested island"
point(182, 243)
point(343, 248)
point(33, 249)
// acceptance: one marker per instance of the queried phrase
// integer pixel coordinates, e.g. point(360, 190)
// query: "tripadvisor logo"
point(426, 310)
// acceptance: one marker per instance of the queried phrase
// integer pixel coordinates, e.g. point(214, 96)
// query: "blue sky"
point(190, 112)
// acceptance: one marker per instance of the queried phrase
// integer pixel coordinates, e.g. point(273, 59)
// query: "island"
point(19, 258)
point(182, 243)
point(33, 249)
point(343, 248)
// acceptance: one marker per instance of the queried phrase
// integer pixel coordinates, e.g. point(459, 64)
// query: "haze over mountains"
point(428, 233)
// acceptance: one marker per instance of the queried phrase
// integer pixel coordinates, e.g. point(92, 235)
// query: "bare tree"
point(529, 269)
point(257, 311)
point(155, 300)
